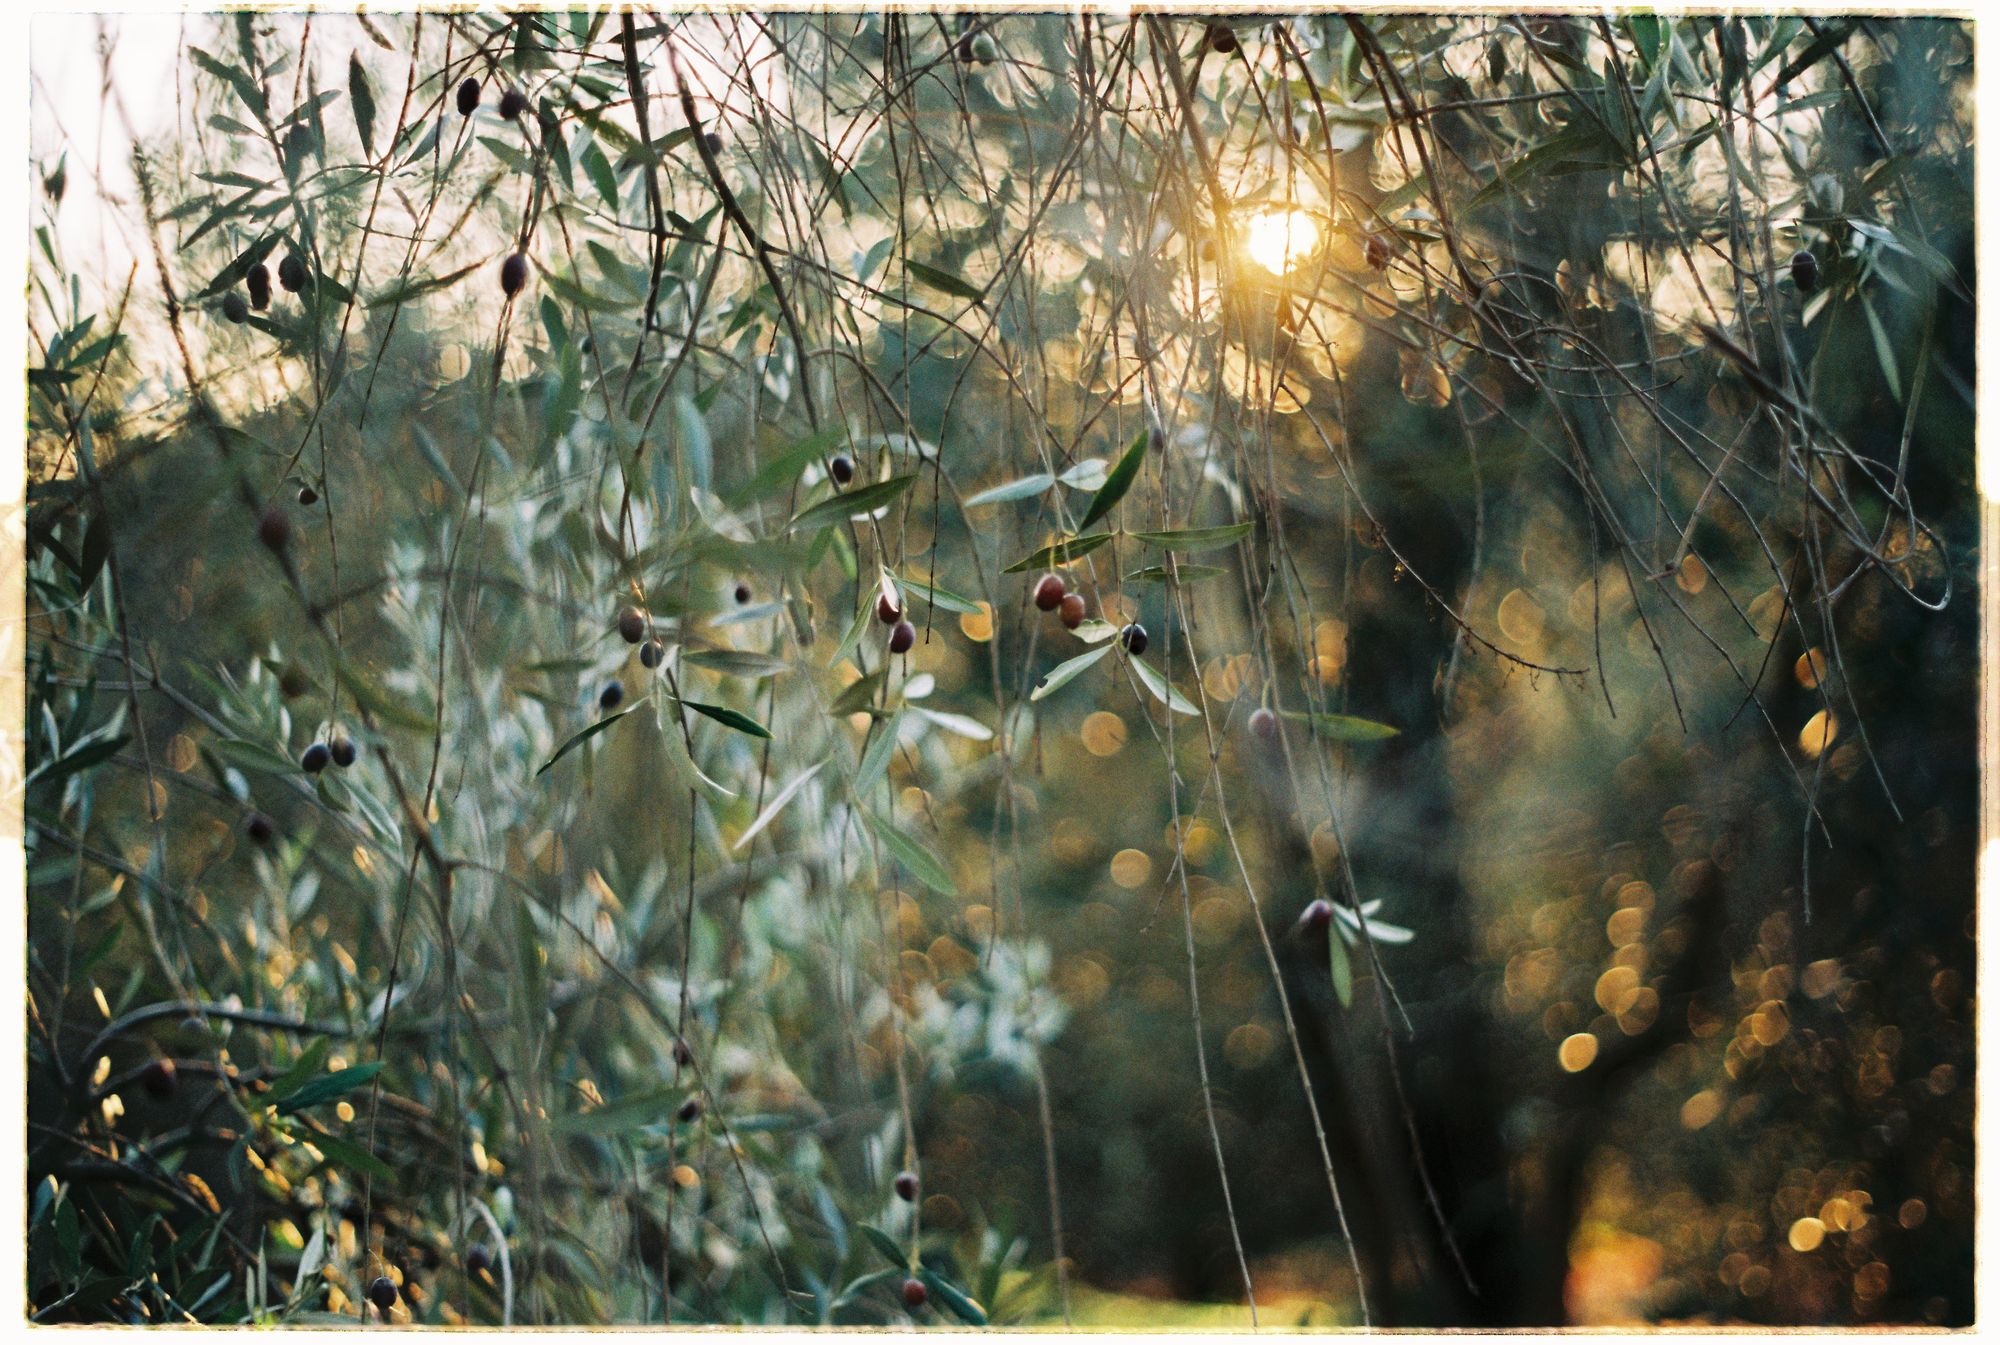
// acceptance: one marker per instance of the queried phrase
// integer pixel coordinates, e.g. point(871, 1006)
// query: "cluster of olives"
point(901, 633)
point(340, 752)
point(512, 103)
point(257, 280)
point(1053, 595)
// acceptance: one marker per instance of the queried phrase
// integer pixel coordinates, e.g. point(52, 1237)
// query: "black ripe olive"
point(513, 274)
point(906, 1185)
point(234, 308)
point(901, 637)
point(468, 97)
point(1805, 271)
point(713, 141)
point(1378, 252)
point(652, 653)
point(344, 752)
point(382, 1292)
point(612, 695)
point(313, 760)
point(689, 1111)
point(632, 625)
point(1221, 38)
point(742, 593)
point(1134, 637)
point(841, 469)
point(258, 828)
point(292, 273)
point(886, 610)
point(308, 496)
point(513, 103)
point(259, 284)
point(293, 682)
point(274, 529)
point(1316, 917)
point(477, 1258)
point(160, 1079)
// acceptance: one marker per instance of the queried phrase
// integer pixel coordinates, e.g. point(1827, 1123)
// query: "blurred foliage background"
point(1521, 875)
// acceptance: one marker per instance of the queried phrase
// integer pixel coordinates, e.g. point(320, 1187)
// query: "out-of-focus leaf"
point(1345, 728)
point(944, 280)
point(922, 865)
point(361, 97)
point(327, 1087)
point(777, 804)
point(848, 504)
point(1188, 540)
point(1026, 488)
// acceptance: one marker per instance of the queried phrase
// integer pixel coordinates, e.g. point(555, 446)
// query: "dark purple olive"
point(292, 273)
point(906, 1185)
point(1221, 38)
point(468, 97)
point(1805, 271)
point(713, 141)
point(612, 695)
point(234, 308)
point(901, 637)
point(1378, 252)
point(293, 682)
point(683, 1053)
point(513, 274)
point(632, 625)
point(382, 1292)
point(689, 1111)
point(742, 593)
point(652, 653)
point(477, 1258)
point(344, 752)
point(160, 1079)
point(886, 611)
point(1317, 915)
point(914, 1293)
point(841, 469)
point(1134, 637)
point(258, 828)
point(259, 284)
point(1264, 724)
point(1072, 610)
point(513, 103)
point(313, 760)
point(1050, 592)
point(308, 496)
point(274, 529)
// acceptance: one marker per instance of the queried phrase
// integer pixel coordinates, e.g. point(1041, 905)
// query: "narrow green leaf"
point(886, 1245)
point(953, 1297)
point(1059, 553)
point(848, 504)
point(1065, 673)
point(362, 97)
point(875, 760)
point(327, 1087)
point(860, 695)
point(1345, 728)
point(1163, 691)
point(924, 866)
point(1194, 539)
point(1118, 482)
point(737, 662)
point(1343, 969)
point(578, 739)
point(348, 1154)
point(1187, 574)
point(652, 1107)
point(734, 719)
point(939, 596)
point(777, 804)
point(1025, 488)
point(944, 280)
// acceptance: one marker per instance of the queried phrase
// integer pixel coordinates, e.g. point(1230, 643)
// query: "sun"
point(1278, 239)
